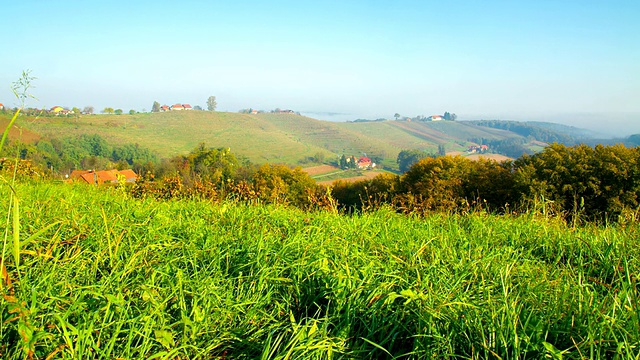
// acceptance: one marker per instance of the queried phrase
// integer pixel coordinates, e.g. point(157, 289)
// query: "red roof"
point(186, 106)
point(364, 159)
point(177, 106)
point(128, 174)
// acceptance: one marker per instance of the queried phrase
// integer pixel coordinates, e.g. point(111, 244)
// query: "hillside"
point(275, 138)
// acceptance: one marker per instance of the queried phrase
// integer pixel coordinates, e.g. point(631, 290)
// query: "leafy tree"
point(453, 117)
point(343, 162)
point(441, 150)
point(211, 103)
point(281, 185)
point(197, 107)
point(76, 111)
point(88, 110)
point(155, 107)
point(108, 110)
point(446, 116)
point(406, 158)
point(118, 111)
point(397, 116)
point(131, 112)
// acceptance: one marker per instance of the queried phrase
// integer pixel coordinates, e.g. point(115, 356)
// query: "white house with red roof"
point(365, 163)
point(436, 118)
point(177, 107)
point(186, 107)
point(164, 108)
point(1, 106)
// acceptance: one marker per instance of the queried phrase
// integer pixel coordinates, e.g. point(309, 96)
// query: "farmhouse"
point(365, 163)
point(177, 107)
point(435, 118)
point(56, 109)
point(103, 176)
point(477, 149)
point(1, 106)
point(164, 108)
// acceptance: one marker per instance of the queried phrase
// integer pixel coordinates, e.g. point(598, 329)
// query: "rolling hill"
point(275, 138)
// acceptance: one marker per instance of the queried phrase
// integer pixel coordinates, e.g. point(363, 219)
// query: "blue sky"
point(562, 60)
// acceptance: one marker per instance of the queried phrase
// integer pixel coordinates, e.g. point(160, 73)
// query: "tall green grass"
point(106, 276)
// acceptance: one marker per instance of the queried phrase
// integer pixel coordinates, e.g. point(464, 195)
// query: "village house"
point(175, 107)
point(1, 106)
point(435, 118)
point(477, 149)
point(103, 176)
point(365, 163)
point(164, 108)
point(186, 107)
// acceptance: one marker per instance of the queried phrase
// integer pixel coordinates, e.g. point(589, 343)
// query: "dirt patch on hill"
point(496, 157)
point(366, 176)
point(318, 170)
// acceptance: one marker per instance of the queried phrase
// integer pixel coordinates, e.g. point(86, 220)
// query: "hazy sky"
point(545, 59)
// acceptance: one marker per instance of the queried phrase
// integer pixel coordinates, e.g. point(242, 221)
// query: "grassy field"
point(103, 275)
point(275, 138)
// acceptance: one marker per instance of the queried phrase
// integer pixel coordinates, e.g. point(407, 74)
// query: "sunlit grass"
point(107, 276)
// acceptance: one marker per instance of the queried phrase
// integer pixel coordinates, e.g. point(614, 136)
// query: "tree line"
point(580, 182)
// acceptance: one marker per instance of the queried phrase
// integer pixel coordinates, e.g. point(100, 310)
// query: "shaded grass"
point(117, 277)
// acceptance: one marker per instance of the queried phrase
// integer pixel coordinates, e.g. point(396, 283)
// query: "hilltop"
point(275, 138)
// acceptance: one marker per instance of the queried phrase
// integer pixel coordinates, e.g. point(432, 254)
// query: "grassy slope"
point(276, 138)
point(116, 277)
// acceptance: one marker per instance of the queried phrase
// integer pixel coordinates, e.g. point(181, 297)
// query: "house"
point(177, 107)
point(187, 107)
point(477, 149)
point(164, 108)
point(254, 112)
point(129, 175)
point(435, 118)
point(1, 106)
point(56, 109)
point(103, 176)
point(365, 163)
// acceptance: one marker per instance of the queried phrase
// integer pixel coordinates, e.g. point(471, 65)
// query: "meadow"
point(102, 275)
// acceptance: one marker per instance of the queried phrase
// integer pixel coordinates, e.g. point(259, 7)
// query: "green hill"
point(275, 138)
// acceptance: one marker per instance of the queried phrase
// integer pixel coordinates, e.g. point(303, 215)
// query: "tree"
point(453, 117)
point(88, 110)
point(155, 107)
point(107, 110)
point(131, 112)
point(396, 115)
point(406, 158)
point(76, 111)
point(118, 111)
point(197, 107)
point(441, 150)
point(446, 116)
point(211, 103)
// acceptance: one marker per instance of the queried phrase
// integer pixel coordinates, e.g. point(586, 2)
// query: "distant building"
point(175, 107)
point(435, 118)
point(56, 109)
point(365, 163)
point(164, 108)
point(187, 107)
point(103, 176)
point(1, 106)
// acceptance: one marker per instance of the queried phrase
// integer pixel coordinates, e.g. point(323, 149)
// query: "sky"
point(568, 61)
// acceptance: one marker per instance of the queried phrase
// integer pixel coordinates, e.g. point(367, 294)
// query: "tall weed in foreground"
point(15, 307)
